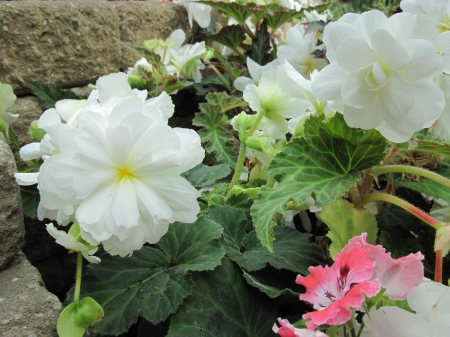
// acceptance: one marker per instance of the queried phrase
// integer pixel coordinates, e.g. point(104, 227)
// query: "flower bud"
point(135, 81)
point(36, 132)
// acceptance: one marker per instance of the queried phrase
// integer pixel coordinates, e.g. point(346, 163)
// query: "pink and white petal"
point(355, 53)
point(424, 61)
point(334, 314)
point(26, 179)
point(356, 295)
point(30, 151)
point(395, 322)
point(320, 284)
point(400, 278)
point(328, 83)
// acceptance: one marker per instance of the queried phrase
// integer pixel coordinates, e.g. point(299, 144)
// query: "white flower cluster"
point(180, 60)
point(114, 166)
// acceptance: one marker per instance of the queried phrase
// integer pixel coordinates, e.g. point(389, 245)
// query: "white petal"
point(26, 179)
point(328, 83)
point(424, 61)
point(30, 151)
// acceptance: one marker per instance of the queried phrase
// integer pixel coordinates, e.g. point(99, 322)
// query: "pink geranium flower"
point(332, 290)
point(288, 330)
point(398, 276)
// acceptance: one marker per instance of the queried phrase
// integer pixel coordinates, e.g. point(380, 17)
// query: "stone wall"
point(69, 44)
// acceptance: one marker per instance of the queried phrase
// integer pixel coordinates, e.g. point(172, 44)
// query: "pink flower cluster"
point(360, 270)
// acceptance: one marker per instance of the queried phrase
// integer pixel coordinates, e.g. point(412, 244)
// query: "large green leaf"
point(230, 36)
point(223, 305)
point(152, 282)
point(425, 146)
point(260, 52)
point(291, 251)
point(346, 221)
point(48, 94)
point(217, 135)
point(428, 186)
point(275, 283)
point(203, 175)
point(277, 15)
point(397, 245)
point(324, 164)
point(226, 101)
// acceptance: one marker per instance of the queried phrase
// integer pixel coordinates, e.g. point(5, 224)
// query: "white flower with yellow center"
point(122, 174)
point(382, 70)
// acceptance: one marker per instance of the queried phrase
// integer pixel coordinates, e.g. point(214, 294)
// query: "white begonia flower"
point(269, 99)
point(73, 241)
point(7, 99)
point(441, 128)
point(121, 173)
point(256, 71)
point(186, 61)
point(299, 49)
point(315, 16)
point(196, 11)
point(431, 302)
point(383, 73)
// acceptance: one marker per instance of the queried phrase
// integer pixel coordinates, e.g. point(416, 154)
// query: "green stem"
point(258, 119)
point(239, 167)
point(403, 204)
point(224, 81)
point(248, 31)
point(225, 65)
point(361, 328)
point(76, 296)
point(412, 170)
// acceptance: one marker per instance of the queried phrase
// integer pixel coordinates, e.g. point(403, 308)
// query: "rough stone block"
point(29, 108)
point(27, 308)
point(12, 229)
point(60, 43)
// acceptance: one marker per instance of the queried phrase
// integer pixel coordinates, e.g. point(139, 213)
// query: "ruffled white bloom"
point(7, 99)
point(196, 11)
point(430, 300)
point(186, 61)
point(256, 71)
point(441, 128)
point(383, 70)
point(299, 49)
point(74, 242)
point(121, 172)
point(269, 99)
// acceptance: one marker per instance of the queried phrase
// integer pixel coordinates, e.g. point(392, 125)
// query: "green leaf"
point(398, 246)
point(217, 135)
point(48, 94)
point(291, 251)
point(239, 12)
point(30, 200)
point(274, 283)
point(389, 217)
point(277, 15)
point(324, 164)
point(152, 282)
point(260, 52)
point(230, 36)
point(203, 175)
point(346, 221)
point(223, 305)
point(226, 101)
point(193, 247)
point(425, 146)
point(428, 186)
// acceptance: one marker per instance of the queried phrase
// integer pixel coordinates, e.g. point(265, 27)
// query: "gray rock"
point(68, 44)
point(12, 229)
point(29, 108)
point(27, 308)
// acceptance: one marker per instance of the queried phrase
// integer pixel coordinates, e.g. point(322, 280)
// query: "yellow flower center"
point(125, 172)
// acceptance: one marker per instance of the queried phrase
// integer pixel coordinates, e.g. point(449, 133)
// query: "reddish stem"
point(438, 266)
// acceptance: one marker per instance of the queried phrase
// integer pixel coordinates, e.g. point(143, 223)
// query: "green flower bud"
point(208, 55)
point(258, 173)
point(36, 132)
point(135, 81)
point(151, 44)
point(258, 143)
